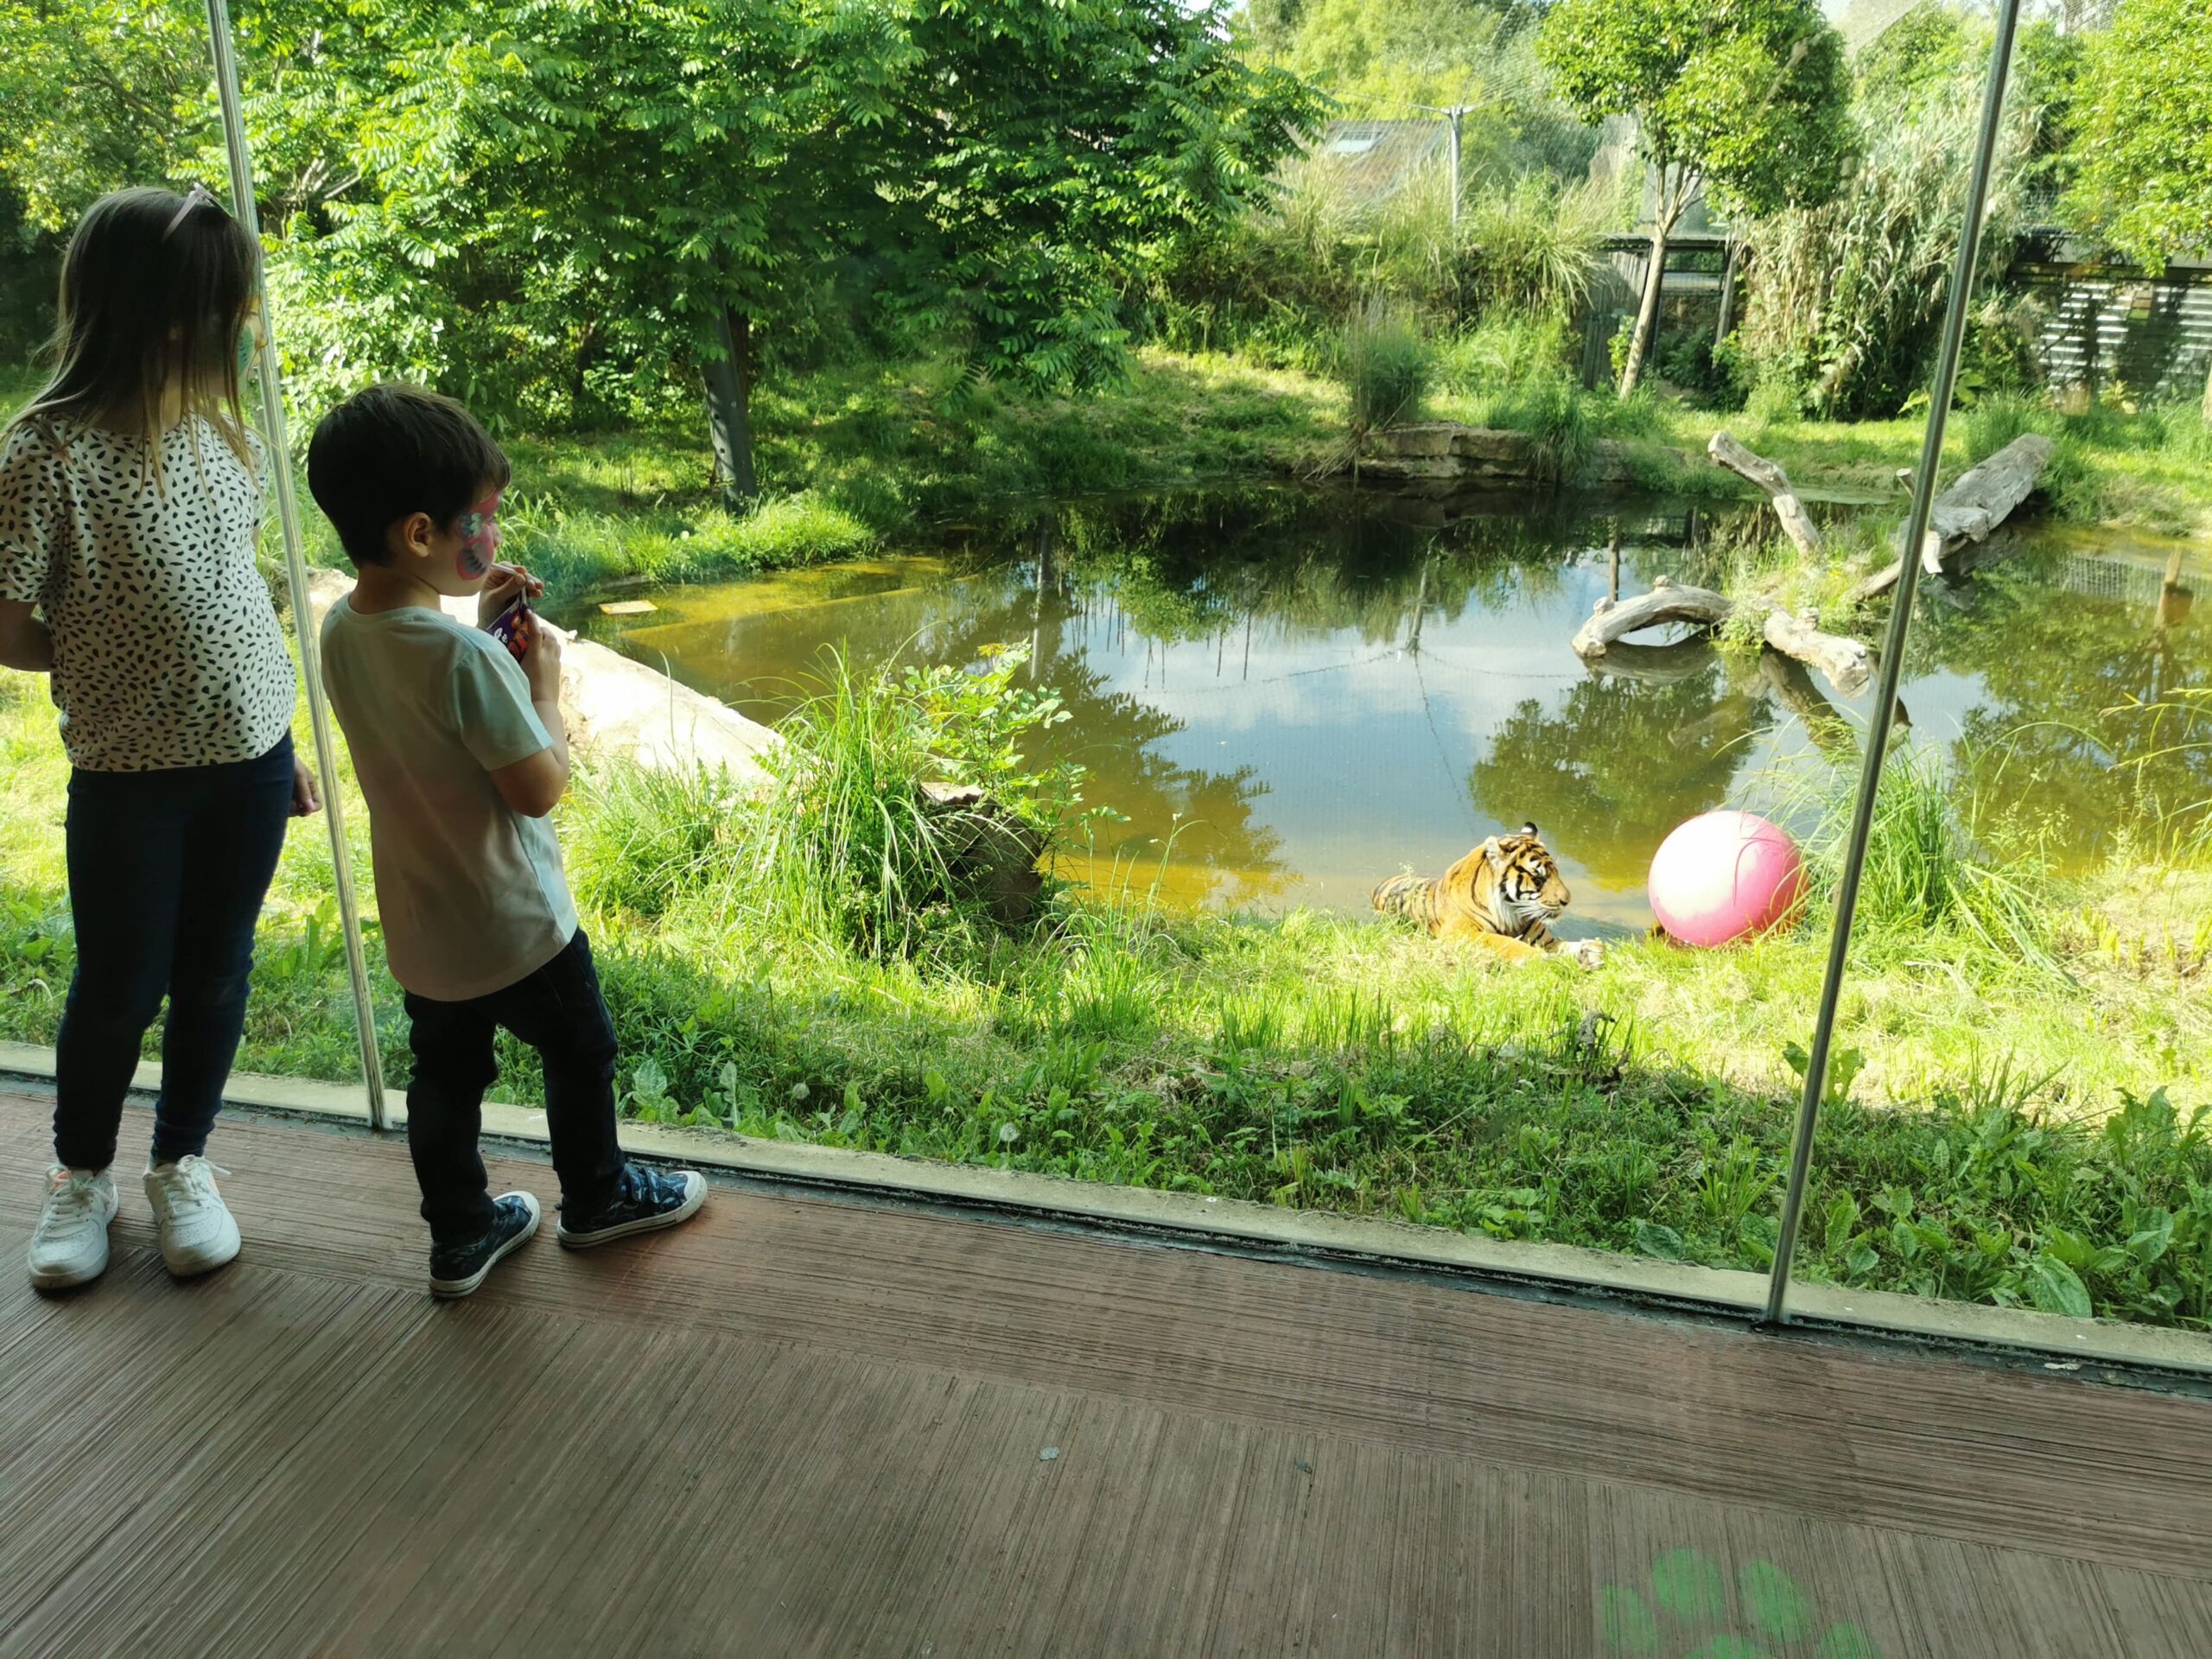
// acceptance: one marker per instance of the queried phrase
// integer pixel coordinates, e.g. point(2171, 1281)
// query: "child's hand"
point(306, 799)
point(499, 590)
point(541, 666)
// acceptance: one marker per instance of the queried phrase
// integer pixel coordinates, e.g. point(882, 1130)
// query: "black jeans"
point(559, 1011)
point(167, 875)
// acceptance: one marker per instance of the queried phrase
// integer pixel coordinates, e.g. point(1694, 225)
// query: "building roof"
point(1374, 159)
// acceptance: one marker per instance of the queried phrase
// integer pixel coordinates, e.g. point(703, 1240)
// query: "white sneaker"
point(70, 1246)
point(199, 1233)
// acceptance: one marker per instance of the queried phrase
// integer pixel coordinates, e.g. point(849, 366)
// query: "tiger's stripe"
point(1413, 897)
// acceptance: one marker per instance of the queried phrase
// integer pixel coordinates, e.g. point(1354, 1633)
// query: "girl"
point(129, 504)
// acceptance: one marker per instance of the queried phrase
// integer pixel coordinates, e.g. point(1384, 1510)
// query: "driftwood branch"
point(1980, 500)
point(1699, 607)
point(1846, 661)
point(1796, 523)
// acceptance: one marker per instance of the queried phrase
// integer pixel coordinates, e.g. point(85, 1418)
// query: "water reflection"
point(1289, 694)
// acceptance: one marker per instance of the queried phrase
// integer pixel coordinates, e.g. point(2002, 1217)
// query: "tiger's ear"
point(1492, 853)
point(1530, 828)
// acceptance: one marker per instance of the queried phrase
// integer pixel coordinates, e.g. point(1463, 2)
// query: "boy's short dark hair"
point(392, 450)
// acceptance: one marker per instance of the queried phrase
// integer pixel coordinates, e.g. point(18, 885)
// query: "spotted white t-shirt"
point(167, 650)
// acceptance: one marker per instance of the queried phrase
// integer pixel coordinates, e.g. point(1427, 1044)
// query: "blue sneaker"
point(456, 1269)
point(646, 1200)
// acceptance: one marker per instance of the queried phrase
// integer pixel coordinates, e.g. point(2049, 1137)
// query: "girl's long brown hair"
point(154, 291)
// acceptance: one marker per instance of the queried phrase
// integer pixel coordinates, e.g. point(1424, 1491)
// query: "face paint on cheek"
point(480, 539)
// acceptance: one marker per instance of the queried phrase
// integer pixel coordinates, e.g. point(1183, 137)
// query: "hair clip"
point(194, 198)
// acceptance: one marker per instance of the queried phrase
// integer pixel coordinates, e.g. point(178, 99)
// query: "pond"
point(1287, 695)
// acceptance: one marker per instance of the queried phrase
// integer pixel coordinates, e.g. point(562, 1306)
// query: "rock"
point(1430, 441)
point(991, 855)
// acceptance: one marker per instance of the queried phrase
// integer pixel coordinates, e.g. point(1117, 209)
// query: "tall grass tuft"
point(847, 843)
point(844, 845)
point(1533, 249)
point(1512, 372)
point(1927, 869)
point(1388, 366)
point(647, 839)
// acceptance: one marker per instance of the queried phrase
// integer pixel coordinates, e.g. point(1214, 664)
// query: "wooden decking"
point(813, 1426)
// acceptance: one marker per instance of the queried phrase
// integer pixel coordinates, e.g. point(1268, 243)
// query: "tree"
point(2144, 177)
point(1393, 59)
point(97, 94)
point(1846, 297)
point(1747, 97)
point(1399, 52)
point(627, 183)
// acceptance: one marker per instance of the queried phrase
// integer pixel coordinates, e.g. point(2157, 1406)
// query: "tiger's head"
point(1523, 882)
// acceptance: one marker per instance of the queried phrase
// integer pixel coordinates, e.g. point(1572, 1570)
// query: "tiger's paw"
point(1587, 953)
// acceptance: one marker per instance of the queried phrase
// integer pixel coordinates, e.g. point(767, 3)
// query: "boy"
point(460, 754)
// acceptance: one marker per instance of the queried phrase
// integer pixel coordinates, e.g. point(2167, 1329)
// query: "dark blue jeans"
point(559, 1011)
point(168, 871)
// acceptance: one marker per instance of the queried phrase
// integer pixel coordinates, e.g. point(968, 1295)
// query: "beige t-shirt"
point(470, 891)
point(167, 651)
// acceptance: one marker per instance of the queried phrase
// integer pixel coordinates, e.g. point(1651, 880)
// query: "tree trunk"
point(1646, 313)
point(1701, 607)
point(1848, 663)
point(729, 422)
point(1668, 210)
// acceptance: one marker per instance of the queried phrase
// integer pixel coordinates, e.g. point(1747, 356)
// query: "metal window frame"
point(295, 569)
point(1877, 730)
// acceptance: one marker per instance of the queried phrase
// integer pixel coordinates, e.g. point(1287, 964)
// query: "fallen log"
point(1976, 503)
point(1846, 661)
point(1609, 622)
point(1796, 523)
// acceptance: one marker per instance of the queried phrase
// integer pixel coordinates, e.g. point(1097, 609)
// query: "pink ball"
point(1724, 876)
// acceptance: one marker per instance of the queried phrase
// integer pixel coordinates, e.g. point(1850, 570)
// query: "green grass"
point(2144, 469)
point(2002, 1135)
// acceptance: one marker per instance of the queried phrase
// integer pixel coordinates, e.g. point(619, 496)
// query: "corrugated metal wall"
point(2109, 328)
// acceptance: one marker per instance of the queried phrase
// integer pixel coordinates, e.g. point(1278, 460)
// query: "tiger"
point(1500, 896)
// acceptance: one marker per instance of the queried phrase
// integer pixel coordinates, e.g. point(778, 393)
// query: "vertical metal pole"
point(296, 567)
point(1886, 695)
point(1458, 112)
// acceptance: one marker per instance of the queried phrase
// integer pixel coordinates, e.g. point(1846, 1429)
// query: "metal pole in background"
point(1459, 113)
point(1885, 693)
point(296, 566)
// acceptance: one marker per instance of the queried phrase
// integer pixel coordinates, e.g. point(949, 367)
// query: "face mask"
point(480, 538)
